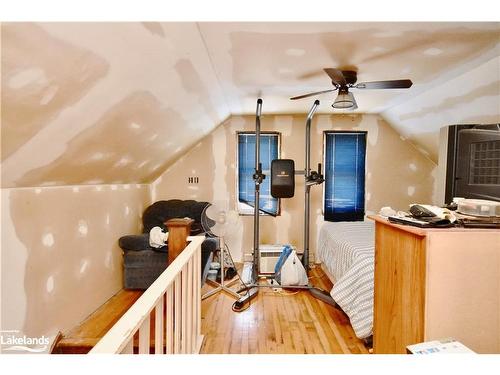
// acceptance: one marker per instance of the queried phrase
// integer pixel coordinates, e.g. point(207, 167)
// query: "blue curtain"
point(345, 176)
point(246, 168)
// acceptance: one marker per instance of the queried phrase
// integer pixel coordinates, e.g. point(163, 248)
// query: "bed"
point(346, 250)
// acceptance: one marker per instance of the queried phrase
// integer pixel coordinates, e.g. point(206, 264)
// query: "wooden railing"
point(175, 298)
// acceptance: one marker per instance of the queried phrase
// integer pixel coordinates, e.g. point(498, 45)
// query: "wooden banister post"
point(178, 232)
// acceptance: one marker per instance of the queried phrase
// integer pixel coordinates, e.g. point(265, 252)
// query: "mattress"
point(347, 251)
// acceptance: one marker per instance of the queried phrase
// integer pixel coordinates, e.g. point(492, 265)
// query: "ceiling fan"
point(343, 80)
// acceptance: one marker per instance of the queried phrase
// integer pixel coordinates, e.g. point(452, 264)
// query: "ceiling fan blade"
point(395, 84)
point(311, 94)
point(336, 75)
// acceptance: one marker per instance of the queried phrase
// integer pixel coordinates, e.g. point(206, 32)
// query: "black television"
point(473, 162)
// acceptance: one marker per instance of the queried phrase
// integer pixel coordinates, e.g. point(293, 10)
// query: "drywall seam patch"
point(13, 257)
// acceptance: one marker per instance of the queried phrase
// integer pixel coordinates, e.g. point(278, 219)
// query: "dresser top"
point(424, 231)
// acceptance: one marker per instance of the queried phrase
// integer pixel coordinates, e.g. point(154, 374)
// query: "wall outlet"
point(193, 180)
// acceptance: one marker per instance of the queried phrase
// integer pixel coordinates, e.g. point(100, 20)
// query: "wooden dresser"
point(436, 283)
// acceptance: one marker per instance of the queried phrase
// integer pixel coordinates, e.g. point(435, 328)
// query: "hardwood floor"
point(286, 322)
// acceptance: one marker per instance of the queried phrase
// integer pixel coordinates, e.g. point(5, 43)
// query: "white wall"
point(60, 258)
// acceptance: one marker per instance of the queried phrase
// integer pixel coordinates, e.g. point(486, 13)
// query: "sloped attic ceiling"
point(87, 103)
point(90, 103)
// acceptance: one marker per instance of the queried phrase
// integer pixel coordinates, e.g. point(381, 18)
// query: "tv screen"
point(477, 165)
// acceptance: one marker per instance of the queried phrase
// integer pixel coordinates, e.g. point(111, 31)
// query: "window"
point(344, 190)
point(269, 150)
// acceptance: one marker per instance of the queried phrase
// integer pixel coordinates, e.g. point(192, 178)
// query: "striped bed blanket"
point(347, 250)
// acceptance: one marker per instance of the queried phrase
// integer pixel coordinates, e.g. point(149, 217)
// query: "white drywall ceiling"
point(118, 102)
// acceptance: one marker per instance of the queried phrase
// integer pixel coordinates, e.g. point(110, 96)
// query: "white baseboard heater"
point(269, 255)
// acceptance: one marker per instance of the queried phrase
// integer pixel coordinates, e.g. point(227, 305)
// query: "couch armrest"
point(135, 242)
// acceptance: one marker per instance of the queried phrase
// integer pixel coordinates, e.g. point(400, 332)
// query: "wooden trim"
point(399, 293)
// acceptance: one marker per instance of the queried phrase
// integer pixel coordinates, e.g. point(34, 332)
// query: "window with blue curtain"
point(269, 150)
point(344, 190)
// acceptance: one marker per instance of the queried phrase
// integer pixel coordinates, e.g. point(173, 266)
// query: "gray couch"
point(143, 263)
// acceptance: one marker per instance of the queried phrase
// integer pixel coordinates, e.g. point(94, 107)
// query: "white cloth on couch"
point(157, 238)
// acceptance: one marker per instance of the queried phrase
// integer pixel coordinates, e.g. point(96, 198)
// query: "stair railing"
point(175, 298)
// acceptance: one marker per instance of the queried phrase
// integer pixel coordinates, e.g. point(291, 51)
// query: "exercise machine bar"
point(258, 177)
point(307, 187)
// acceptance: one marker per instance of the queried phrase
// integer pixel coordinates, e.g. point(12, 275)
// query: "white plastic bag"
point(293, 272)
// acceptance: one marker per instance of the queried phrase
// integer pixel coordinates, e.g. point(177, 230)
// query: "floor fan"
point(218, 221)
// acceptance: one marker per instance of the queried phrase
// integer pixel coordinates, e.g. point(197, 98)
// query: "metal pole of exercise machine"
point(307, 175)
point(258, 178)
point(311, 178)
point(252, 286)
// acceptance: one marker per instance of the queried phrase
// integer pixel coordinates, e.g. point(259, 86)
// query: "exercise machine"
point(284, 167)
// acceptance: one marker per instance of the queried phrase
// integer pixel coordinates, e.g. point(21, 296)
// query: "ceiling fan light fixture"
point(342, 80)
point(344, 100)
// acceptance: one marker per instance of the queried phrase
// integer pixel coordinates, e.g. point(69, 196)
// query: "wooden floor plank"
point(291, 322)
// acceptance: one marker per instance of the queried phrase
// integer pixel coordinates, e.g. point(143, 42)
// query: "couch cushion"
point(135, 242)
